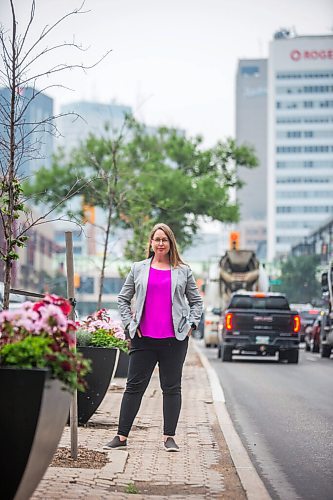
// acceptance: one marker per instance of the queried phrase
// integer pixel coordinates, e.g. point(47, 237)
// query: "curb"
point(250, 479)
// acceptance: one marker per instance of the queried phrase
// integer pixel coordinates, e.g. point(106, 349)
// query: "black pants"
point(145, 352)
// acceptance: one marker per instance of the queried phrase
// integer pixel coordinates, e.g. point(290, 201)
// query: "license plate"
point(262, 340)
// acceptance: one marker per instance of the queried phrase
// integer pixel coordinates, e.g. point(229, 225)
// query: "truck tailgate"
point(268, 322)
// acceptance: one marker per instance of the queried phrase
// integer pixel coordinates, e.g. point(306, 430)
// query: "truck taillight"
point(228, 321)
point(297, 324)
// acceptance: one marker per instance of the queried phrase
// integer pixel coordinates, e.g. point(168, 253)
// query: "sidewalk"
point(202, 470)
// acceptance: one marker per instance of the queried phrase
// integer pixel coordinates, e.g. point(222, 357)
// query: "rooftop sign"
point(297, 55)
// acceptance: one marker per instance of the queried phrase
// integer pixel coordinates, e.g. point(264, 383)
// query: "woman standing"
point(168, 307)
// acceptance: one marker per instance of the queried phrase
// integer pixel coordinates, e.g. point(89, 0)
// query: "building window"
point(305, 164)
point(287, 239)
point(296, 224)
point(307, 89)
point(304, 194)
point(113, 285)
point(303, 74)
point(303, 104)
point(305, 180)
point(304, 149)
point(250, 71)
point(303, 210)
point(304, 119)
point(86, 284)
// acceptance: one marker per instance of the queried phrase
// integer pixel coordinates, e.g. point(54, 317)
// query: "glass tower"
point(300, 138)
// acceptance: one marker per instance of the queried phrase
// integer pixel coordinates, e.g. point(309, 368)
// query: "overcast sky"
point(173, 61)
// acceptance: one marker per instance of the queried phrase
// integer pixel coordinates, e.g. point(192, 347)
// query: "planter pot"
point(122, 367)
point(104, 362)
point(33, 414)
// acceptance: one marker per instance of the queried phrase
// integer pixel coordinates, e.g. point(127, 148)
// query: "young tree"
point(141, 178)
point(298, 279)
point(20, 141)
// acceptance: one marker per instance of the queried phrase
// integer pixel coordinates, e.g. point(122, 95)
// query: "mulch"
point(86, 459)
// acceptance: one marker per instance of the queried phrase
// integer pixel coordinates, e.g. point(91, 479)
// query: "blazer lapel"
point(174, 277)
point(144, 276)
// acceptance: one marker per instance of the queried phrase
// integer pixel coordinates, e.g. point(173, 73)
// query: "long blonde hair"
point(175, 258)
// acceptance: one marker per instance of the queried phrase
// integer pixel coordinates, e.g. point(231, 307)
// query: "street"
point(284, 416)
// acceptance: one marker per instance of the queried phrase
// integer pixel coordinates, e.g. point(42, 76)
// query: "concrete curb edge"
point(250, 479)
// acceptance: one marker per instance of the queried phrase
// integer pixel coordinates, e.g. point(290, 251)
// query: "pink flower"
point(48, 316)
point(60, 302)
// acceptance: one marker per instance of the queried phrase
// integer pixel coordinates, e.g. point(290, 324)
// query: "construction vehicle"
point(240, 270)
point(326, 333)
point(236, 270)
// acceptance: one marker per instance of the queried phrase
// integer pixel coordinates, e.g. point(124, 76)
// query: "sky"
point(173, 61)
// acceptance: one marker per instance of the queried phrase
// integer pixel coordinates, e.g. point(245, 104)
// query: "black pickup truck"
point(259, 324)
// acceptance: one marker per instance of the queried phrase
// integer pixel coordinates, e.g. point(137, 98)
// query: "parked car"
point(15, 300)
point(308, 317)
point(312, 335)
point(326, 335)
point(211, 323)
point(199, 332)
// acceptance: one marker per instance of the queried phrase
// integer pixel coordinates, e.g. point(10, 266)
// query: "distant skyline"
point(174, 62)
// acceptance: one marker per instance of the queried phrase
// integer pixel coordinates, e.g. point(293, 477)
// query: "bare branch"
point(46, 51)
point(64, 67)
point(72, 192)
point(47, 30)
point(34, 95)
point(32, 15)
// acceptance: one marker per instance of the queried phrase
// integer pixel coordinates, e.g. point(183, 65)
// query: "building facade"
point(300, 138)
point(34, 130)
point(83, 118)
point(251, 127)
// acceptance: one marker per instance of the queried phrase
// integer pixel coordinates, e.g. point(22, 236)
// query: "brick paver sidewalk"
point(202, 469)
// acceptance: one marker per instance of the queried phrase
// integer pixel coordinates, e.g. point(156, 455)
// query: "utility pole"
point(70, 294)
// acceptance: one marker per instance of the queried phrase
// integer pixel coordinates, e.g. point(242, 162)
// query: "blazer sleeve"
point(194, 299)
point(125, 297)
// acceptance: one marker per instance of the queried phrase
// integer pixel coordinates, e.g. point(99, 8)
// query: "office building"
point(84, 118)
point(300, 138)
point(34, 131)
point(251, 129)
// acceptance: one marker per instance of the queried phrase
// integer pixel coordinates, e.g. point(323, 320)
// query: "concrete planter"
point(122, 367)
point(104, 364)
point(34, 410)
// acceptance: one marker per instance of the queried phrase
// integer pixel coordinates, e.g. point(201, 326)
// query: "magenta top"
point(156, 320)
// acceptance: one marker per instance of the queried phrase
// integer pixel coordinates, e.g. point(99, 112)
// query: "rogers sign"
point(297, 55)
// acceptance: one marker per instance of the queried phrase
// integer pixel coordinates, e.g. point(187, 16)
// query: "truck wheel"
point(226, 353)
point(315, 348)
point(292, 356)
point(325, 351)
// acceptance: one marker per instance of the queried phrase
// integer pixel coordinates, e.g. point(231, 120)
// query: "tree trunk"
point(106, 244)
point(8, 225)
point(112, 190)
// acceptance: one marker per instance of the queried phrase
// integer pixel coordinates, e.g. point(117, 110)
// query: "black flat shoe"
point(170, 445)
point(115, 443)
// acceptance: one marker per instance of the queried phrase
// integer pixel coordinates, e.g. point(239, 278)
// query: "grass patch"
point(131, 488)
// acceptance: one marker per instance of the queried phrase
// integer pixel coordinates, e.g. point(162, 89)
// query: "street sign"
point(275, 282)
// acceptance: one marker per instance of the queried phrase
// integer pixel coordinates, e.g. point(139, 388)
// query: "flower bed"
point(100, 330)
point(39, 335)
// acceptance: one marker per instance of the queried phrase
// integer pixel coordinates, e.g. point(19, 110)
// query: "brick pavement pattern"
point(202, 470)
